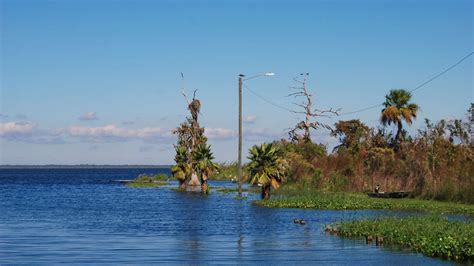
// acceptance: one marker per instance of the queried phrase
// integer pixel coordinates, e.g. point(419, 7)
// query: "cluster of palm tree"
point(194, 159)
point(201, 164)
point(204, 165)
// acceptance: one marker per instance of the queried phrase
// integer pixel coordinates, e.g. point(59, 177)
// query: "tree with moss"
point(190, 136)
point(191, 140)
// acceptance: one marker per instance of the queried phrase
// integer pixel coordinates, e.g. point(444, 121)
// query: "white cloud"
point(257, 134)
point(88, 116)
point(16, 129)
point(112, 132)
point(28, 132)
point(249, 119)
point(262, 134)
point(219, 133)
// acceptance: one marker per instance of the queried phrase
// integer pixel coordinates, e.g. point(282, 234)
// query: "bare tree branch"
point(185, 96)
point(330, 110)
point(183, 90)
point(300, 105)
point(295, 94)
point(309, 112)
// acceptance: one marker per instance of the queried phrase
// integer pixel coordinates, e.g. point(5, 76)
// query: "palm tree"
point(266, 167)
point(204, 165)
point(182, 169)
point(397, 107)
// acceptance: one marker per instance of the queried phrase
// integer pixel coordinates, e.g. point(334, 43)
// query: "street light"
point(239, 167)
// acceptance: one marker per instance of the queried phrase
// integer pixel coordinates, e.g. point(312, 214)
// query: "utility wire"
point(374, 106)
point(266, 100)
point(419, 86)
point(443, 72)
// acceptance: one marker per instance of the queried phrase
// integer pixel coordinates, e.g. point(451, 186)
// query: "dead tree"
point(310, 114)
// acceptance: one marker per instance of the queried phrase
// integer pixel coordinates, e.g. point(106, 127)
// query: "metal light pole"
point(239, 167)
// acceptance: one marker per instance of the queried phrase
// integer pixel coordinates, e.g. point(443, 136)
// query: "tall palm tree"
point(204, 165)
point(182, 168)
point(266, 167)
point(397, 107)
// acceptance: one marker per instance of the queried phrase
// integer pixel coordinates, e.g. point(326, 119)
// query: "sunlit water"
point(80, 216)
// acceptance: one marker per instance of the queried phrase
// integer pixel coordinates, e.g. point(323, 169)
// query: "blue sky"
point(99, 81)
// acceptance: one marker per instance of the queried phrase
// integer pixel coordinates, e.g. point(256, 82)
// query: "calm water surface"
point(80, 216)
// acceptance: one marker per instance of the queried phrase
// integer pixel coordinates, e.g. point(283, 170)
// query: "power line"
point(266, 100)
point(443, 72)
point(417, 87)
point(361, 110)
point(374, 106)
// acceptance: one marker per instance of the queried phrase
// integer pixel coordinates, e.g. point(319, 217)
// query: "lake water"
point(80, 216)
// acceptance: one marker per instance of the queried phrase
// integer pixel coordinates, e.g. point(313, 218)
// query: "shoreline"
point(84, 166)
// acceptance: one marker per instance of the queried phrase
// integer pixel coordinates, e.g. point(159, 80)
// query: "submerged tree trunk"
point(194, 181)
point(204, 184)
point(204, 187)
point(182, 184)
point(266, 192)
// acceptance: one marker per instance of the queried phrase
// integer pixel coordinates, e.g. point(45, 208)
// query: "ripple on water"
point(79, 215)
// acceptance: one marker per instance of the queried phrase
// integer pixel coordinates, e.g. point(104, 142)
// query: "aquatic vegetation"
point(240, 198)
point(149, 181)
point(235, 190)
point(353, 201)
point(431, 235)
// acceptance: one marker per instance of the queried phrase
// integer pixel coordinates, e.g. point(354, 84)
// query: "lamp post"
point(239, 167)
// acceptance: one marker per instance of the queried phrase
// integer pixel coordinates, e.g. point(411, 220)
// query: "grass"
point(226, 172)
point(149, 181)
point(292, 197)
point(431, 235)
